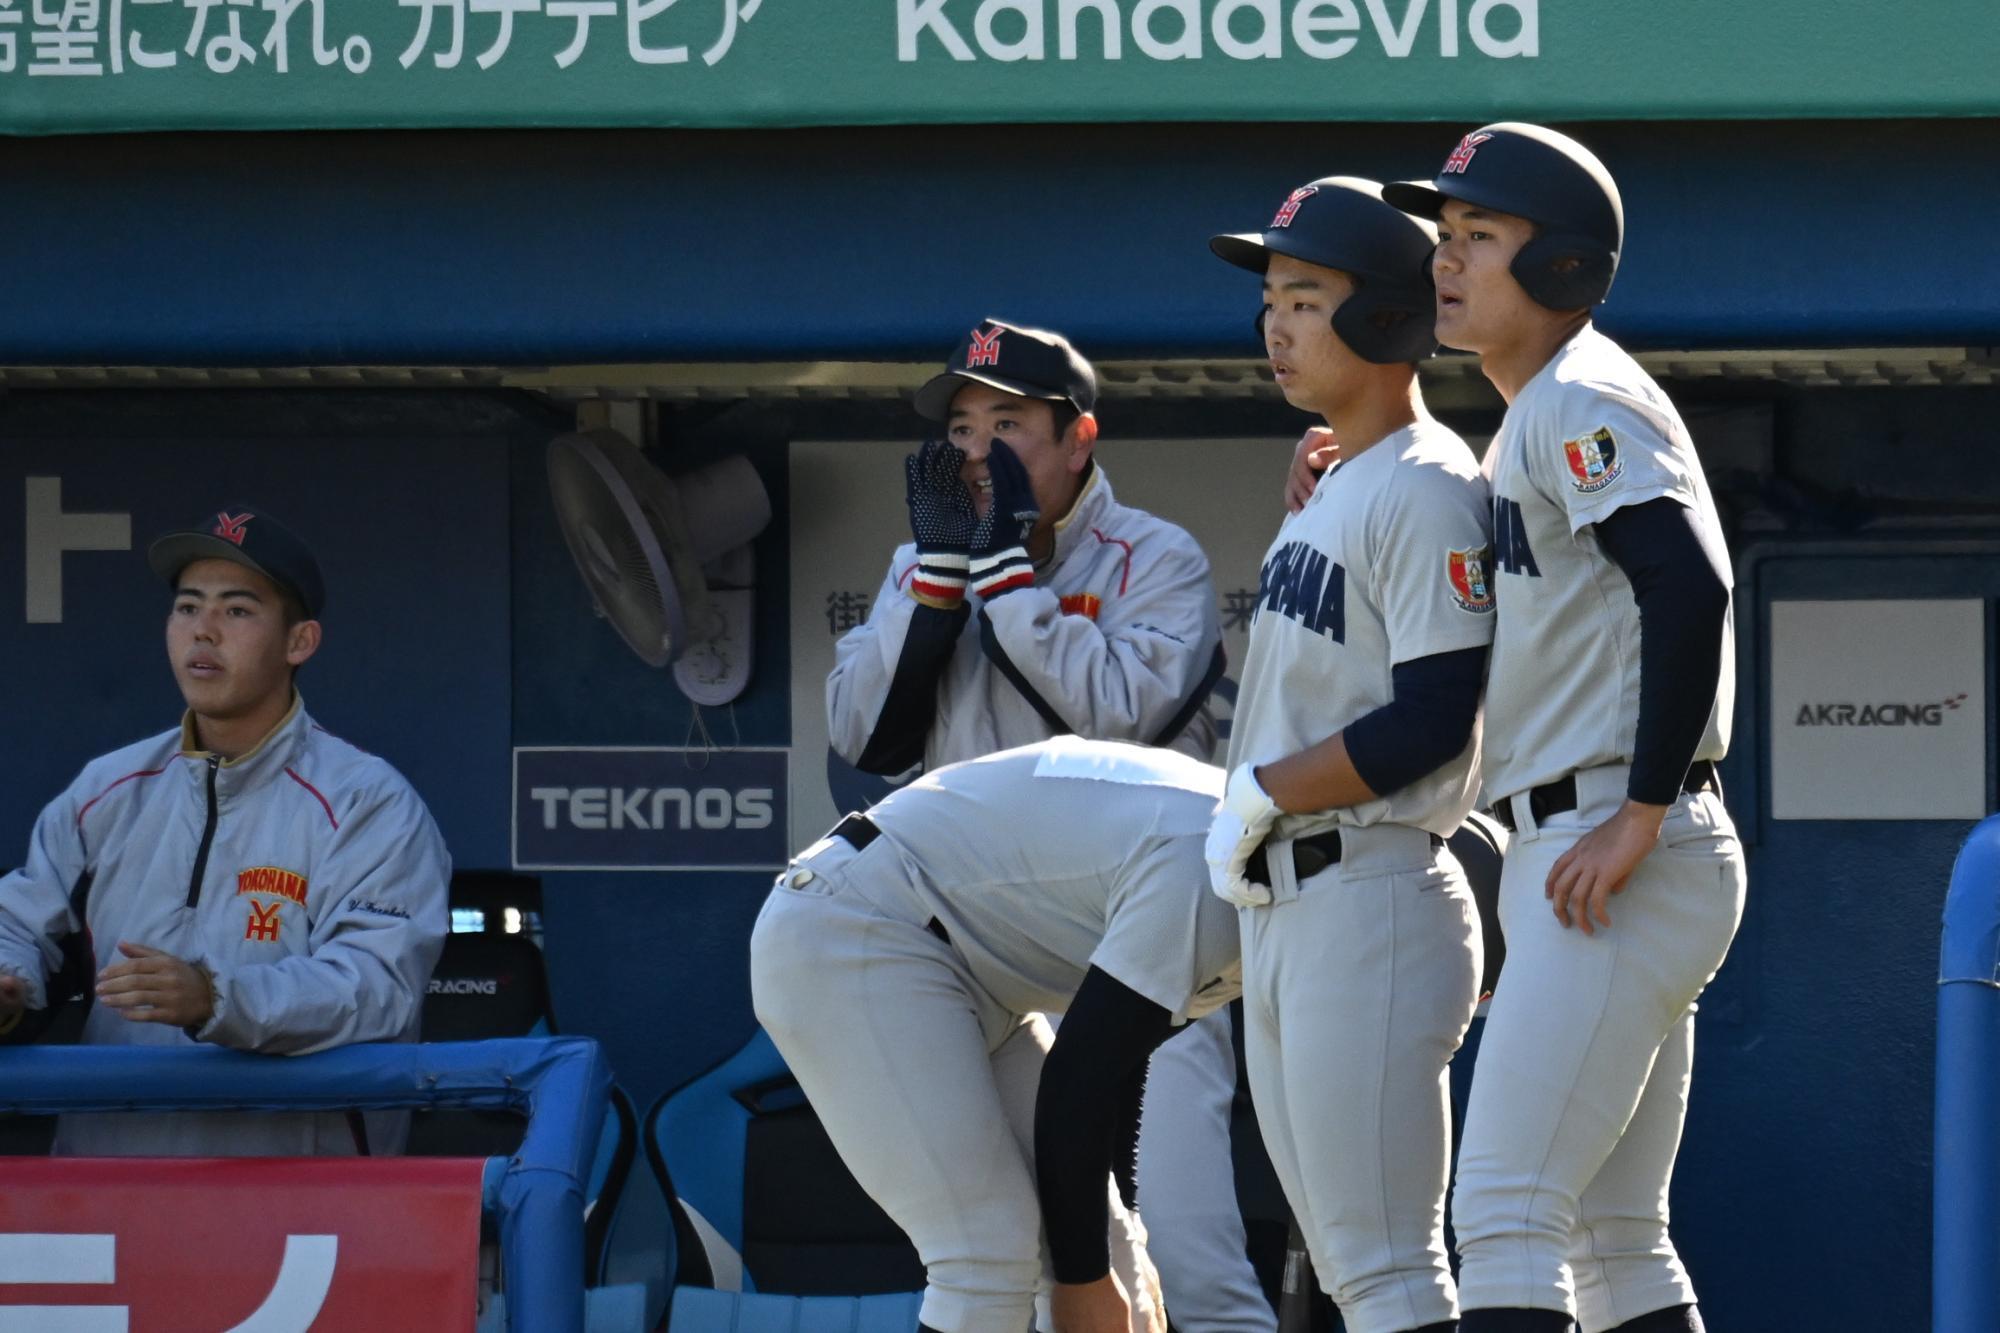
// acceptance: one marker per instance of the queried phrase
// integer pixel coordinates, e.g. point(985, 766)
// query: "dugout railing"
point(561, 1085)
point(1965, 1226)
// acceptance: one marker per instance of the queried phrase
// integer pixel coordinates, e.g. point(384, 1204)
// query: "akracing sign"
point(1878, 714)
point(1878, 707)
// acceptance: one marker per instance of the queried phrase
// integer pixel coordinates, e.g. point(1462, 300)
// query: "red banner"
point(238, 1245)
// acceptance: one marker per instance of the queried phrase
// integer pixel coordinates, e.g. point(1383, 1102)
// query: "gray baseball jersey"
point(1386, 563)
point(1588, 434)
point(1044, 861)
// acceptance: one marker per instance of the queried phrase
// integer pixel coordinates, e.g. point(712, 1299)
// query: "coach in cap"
point(244, 880)
point(1029, 602)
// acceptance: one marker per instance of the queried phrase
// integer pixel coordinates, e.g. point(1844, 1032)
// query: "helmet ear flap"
point(1564, 271)
point(1388, 328)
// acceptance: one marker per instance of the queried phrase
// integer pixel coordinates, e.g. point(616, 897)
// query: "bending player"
point(1352, 757)
point(902, 964)
point(1606, 709)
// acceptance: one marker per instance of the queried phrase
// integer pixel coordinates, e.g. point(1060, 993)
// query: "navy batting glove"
point(1000, 561)
point(941, 519)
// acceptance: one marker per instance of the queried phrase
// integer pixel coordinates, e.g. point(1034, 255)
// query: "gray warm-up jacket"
point(306, 875)
point(1118, 639)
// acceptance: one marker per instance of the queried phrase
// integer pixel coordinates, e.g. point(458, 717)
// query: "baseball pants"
point(924, 1083)
point(1581, 1086)
point(1187, 1184)
point(1359, 984)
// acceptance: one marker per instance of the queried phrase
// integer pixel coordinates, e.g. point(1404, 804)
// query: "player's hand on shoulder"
point(1091, 1307)
point(1582, 880)
point(1315, 452)
point(13, 995)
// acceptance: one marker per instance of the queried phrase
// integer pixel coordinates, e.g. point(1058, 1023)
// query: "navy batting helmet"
point(1551, 180)
point(1341, 222)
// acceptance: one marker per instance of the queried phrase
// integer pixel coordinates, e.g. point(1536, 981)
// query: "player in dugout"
point(245, 879)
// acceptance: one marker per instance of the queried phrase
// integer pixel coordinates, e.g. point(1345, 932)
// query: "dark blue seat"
point(771, 1231)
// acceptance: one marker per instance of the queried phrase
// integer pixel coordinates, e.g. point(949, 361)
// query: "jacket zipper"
point(207, 836)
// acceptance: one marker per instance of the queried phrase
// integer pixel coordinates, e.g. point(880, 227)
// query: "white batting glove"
point(1241, 821)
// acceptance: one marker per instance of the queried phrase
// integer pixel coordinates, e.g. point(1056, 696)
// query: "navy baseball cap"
point(1033, 363)
point(251, 538)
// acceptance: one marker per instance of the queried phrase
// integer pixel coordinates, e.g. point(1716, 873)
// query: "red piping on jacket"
point(316, 796)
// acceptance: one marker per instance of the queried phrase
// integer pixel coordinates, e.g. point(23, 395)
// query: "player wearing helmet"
point(1607, 705)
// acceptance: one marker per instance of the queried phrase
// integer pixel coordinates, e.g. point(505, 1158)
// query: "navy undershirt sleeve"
point(1426, 723)
point(1683, 605)
point(897, 743)
point(1091, 1085)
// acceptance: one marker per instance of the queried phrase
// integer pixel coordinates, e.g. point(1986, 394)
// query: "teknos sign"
point(322, 64)
point(648, 808)
point(279, 1245)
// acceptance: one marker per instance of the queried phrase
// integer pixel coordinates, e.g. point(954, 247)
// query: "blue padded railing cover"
point(1965, 1224)
point(700, 1309)
point(561, 1084)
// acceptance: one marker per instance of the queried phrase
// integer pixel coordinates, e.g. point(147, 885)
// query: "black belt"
point(1553, 798)
point(1309, 857)
point(858, 831)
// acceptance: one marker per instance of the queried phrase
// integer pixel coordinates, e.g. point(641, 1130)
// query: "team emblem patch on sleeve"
point(1593, 460)
point(1467, 572)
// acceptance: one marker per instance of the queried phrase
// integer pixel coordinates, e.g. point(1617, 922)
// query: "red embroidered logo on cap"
point(230, 527)
point(1461, 156)
point(1290, 208)
point(985, 349)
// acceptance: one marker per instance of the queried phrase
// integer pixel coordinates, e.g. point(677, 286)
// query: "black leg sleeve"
point(1683, 605)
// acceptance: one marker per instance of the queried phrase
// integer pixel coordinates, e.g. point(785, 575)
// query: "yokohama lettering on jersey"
point(1387, 562)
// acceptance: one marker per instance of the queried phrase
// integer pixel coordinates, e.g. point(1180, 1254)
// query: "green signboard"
point(97, 65)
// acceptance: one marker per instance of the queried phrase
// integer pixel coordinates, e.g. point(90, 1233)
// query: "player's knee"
point(1613, 1245)
point(1484, 1217)
point(985, 1294)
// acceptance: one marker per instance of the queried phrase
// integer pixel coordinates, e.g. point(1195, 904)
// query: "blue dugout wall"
point(556, 248)
point(457, 628)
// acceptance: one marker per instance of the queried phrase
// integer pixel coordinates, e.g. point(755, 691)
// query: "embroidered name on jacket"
point(272, 880)
point(1300, 583)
